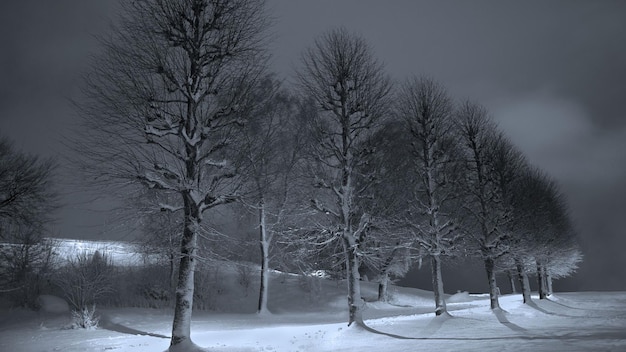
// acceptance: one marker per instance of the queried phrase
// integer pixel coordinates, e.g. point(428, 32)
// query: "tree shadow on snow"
point(433, 326)
point(534, 305)
point(605, 334)
point(106, 323)
point(501, 315)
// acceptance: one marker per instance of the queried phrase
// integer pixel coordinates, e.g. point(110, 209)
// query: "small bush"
point(85, 318)
point(85, 279)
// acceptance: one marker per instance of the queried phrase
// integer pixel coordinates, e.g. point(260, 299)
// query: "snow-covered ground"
point(310, 315)
point(120, 252)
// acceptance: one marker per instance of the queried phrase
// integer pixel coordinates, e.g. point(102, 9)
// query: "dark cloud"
point(552, 73)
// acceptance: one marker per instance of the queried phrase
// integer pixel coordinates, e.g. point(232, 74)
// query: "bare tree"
point(163, 106)
point(161, 231)
point(84, 280)
point(27, 201)
point(541, 232)
point(351, 93)
point(26, 263)
point(431, 193)
point(388, 250)
point(556, 251)
point(26, 192)
point(562, 262)
point(530, 218)
point(508, 166)
point(271, 153)
point(391, 258)
point(492, 165)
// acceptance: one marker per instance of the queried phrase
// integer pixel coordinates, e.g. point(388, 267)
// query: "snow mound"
point(52, 304)
point(459, 297)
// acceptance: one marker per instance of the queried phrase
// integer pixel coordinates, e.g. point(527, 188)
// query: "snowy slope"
point(121, 253)
point(309, 314)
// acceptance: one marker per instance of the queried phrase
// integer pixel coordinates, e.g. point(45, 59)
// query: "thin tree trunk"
point(440, 303)
point(541, 282)
point(493, 286)
point(181, 327)
point(384, 281)
point(382, 287)
point(545, 280)
point(264, 244)
point(172, 271)
point(355, 302)
point(511, 277)
point(549, 283)
point(523, 279)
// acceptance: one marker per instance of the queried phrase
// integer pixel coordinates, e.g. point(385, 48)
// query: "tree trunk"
point(541, 282)
point(549, 283)
point(181, 327)
point(523, 279)
point(172, 273)
point(264, 244)
point(493, 286)
point(355, 302)
point(511, 277)
point(440, 303)
point(172, 247)
point(382, 287)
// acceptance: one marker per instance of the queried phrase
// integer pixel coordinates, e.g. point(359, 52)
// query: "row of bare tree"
point(407, 171)
point(180, 112)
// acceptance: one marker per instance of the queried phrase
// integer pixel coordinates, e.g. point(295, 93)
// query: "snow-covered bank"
point(582, 321)
point(120, 253)
point(310, 314)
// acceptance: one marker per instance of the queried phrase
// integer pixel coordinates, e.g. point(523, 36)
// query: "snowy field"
point(312, 318)
point(120, 253)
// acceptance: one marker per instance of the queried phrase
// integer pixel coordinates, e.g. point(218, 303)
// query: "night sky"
point(553, 75)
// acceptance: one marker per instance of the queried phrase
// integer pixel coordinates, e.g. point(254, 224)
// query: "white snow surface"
point(119, 252)
point(302, 320)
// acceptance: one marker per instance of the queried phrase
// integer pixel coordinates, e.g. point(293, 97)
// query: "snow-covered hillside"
point(309, 314)
point(121, 253)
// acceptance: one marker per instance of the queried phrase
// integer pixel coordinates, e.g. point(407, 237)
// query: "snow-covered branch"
point(155, 131)
point(210, 201)
point(170, 208)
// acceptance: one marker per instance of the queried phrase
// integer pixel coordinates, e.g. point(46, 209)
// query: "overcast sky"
point(552, 73)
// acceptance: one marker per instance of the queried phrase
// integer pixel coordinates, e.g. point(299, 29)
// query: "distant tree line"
point(27, 203)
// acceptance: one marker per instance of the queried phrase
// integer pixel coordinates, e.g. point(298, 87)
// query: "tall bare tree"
point(508, 166)
point(542, 238)
point(556, 250)
point(427, 112)
point(272, 146)
point(163, 106)
point(388, 252)
point(351, 93)
point(492, 165)
point(530, 218)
